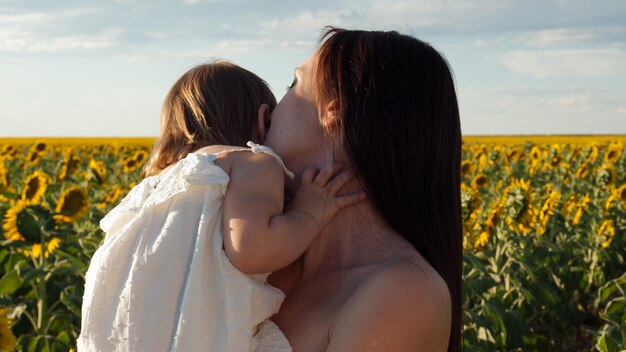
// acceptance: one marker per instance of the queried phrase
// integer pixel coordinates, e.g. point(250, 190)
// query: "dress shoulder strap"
point(258, 148)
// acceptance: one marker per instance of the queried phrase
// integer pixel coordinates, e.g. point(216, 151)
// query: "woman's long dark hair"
point(401, 129)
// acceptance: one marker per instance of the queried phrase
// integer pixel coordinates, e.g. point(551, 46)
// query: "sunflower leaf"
point(10, 282)
point(606, 344)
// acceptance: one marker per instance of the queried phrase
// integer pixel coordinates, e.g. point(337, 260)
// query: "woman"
point(385, 274)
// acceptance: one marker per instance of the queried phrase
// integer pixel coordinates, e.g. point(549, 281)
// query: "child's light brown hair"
point(213, 103)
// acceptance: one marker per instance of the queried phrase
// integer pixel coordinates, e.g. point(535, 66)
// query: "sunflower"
point(613, 152)
point(468, 201)
point(98, 170)
point(466, 167)
point(20, 224)
point(40, 146)
point(483, 161)
point(516, 205)
point(554, 159)
point(514, 154)
point(140, 156)
point(581, 207)
point(583, 170)
point(525, 222)
point(479, 181)
point(535, 153)
point(71, 205)
point(468, 225)
point(609, 201)
point(69, 164)
point(616, 195)
point(35, 249)
point(605, 175)
point(130, 165)
point(535, 159)
point(35, 186)
point(33, 157)
point(606, 232)
point(482, 239)
point(9, 151)
point(515, 197)
point(112, 197)
point(4, 176)
point(593, 153)
point(547, 210)
point(493, 216)
point(568, 206)
point(496, 153)
point(7, 339)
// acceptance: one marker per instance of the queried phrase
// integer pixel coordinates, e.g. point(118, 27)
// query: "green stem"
point(41, 282)
point(592, 267)
point(41, 302)
point(30, 318)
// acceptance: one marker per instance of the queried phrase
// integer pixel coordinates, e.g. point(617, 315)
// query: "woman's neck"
point(357, 236)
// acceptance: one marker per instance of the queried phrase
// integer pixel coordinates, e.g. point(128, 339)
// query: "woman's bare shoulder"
point(402, 306)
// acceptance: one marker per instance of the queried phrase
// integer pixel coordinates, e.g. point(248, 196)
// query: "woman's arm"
point(258, 236)
point(396, 309)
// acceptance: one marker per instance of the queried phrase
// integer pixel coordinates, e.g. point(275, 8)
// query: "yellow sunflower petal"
point(8, 342)
point(482, 239)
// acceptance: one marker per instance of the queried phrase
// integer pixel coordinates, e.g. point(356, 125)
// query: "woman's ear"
point(263, 123)
point(332, 116)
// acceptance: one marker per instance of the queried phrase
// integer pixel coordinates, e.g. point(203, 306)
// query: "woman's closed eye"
point(295, 80)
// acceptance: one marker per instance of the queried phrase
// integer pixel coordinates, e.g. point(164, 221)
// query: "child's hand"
point(317, 196)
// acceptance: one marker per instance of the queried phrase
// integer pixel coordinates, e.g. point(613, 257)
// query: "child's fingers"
point(309, 175)
point(339, 181)
point(349, 199)
point(326, 174)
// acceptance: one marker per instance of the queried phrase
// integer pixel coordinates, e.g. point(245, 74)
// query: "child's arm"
point(258, 236)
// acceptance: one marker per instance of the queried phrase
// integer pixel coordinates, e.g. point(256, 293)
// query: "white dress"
point(161, 280)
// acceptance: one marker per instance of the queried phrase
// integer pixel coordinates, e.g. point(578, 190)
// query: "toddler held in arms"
point(184, 263)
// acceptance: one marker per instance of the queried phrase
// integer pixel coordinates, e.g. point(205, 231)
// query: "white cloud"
point(224, 49)
point(621, 110)
point(556, 36)
point(568, 103)
point(233, 47)
point(193, 2)
point(38, 31)
point(19, 40)
point(483, 16)
point(566, 62)
point(40, 18)
point(304, 24)
point(438, 16)
point(559, 35)
point(483, 42)
point(538, 106)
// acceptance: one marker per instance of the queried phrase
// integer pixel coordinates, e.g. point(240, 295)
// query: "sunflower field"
point(544, 237)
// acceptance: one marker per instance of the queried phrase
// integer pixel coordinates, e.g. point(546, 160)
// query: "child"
point(187, 252)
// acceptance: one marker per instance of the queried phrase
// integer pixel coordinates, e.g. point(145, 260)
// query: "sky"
point(103, 68)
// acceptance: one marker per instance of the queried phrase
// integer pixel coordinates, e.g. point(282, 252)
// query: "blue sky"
point(102, 68)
